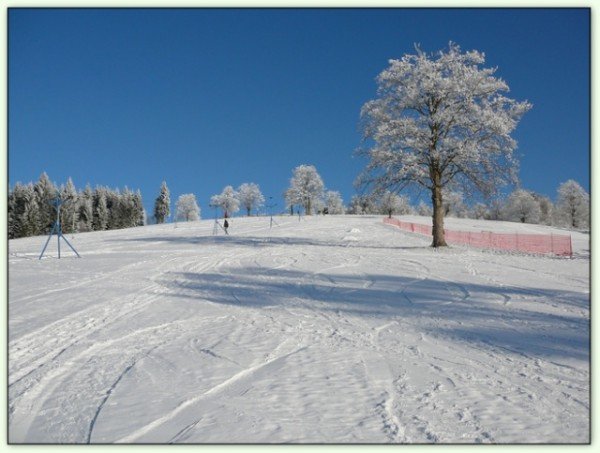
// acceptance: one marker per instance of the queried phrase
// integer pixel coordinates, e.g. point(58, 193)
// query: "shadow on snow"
point(471, 313)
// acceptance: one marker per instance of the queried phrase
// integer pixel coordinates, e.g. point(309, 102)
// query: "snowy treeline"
point(571, 209)
point(248, 196)
point(31, 212)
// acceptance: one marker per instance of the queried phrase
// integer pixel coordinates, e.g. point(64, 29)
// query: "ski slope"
point(335, 329)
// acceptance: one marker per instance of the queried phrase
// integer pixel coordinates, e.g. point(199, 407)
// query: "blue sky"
point(204, 98)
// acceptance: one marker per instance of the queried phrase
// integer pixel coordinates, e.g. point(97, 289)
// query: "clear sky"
point(204, 98)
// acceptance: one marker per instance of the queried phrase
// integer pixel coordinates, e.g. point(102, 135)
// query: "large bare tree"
point(439, 119)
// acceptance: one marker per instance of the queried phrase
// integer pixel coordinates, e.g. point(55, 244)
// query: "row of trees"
point(571, 209)
point(31, 210)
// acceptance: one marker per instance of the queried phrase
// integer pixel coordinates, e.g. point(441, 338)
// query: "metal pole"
point(47, 241)
point(58, 226)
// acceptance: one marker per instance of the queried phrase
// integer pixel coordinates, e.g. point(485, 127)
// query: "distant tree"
point(306, 186)
point(45, 191)
point(333, 202)
point(85, 210)
point(113, 200)
point(439, 120)
point(11, 220)
point(546, 208)
point(68, 210)
point(227, 200)
point(479, 211)
point(363, 204)
point(140, 212)
point(495, 209)
point(100, 209)
point(292, 198)
point(573, 205)
point(162, 204)
point(424, 209)
point(128, 209)
point(250, 197)
point(522, 207)
point(454, 205)
point(318, 206)
point(186, 208)
point(391, 203)
point(25, 213)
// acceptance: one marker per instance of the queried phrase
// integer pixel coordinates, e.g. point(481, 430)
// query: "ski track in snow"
point(329, 329)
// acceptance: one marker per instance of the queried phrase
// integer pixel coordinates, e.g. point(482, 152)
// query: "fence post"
point(552, 243)
point(570, 247)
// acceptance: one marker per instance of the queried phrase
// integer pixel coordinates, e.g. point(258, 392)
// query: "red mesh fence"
point(557, 244)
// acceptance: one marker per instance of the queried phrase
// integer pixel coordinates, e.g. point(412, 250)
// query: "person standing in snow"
point(225, 226)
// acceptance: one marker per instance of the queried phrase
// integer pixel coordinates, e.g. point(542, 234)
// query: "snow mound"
point(354, 230)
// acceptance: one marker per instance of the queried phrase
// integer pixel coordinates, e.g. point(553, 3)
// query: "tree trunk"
point(390, 213)
point(307, 208)
point(248, 211)
point(438, 217)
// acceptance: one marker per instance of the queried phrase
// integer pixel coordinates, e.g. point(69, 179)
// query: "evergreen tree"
point(68, 210)
point(46, 192)
point(26, 219)
point(11, 227)
point(113, 197)
point(140, 213)
point(85, 210)
point(101, 214)
point(162, 204)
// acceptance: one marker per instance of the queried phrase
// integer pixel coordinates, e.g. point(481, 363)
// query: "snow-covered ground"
point(327, 330)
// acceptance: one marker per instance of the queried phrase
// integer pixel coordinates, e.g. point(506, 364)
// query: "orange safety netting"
point(556, 244)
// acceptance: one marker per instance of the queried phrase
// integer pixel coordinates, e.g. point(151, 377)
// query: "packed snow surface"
point(326, 329)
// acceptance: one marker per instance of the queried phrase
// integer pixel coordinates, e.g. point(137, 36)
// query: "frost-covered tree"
point(292, 198)
point(573, 205)
point(227, 200)
point(128, 209)
point(187, 208)
point(68, 211)
point(306, 186)
point(522, 207)
point(333, 202)
point(162, 204)
point(250, 197)
point(424, 209)
point(546, 208)
point(45, 191)
point(113, 199)
point(85, 210)
point(440, 119)
point(25, 211)
point(479, 211)
point(363, 204)
point(391, 203)
point(454, 205)
point(101, 214)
